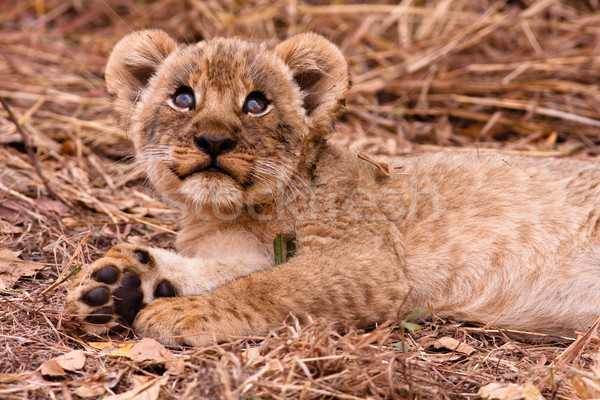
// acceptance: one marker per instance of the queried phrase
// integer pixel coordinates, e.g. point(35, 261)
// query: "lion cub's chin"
point(210, 196)
point(199, 194)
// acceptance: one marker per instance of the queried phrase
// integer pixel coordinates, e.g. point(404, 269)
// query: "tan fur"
point(482, 238)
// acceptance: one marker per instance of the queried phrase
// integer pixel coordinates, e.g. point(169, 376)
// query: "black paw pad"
point(130, 280)
point(108, 275)
point(100, 316)
point(96, 296)
point(142, 256)
point(164, 289)
point(128, 297)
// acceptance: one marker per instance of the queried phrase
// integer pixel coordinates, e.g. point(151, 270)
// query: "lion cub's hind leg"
point(108, 294)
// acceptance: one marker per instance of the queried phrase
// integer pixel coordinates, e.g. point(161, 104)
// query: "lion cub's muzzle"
point(213, 145)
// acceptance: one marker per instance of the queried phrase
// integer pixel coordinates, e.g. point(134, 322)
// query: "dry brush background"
point(428, 75)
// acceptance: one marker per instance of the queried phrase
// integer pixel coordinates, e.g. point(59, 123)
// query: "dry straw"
point(520, 76)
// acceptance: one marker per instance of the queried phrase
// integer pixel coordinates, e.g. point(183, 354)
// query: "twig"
point(572, 352)
point(65, 275)
point(18, 195)
point(30, 152)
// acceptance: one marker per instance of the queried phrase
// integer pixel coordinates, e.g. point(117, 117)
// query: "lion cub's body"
point(481, 237)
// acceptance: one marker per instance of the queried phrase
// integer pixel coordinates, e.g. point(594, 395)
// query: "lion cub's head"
point(225, 122)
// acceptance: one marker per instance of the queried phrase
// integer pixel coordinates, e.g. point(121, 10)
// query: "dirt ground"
point(518, 76)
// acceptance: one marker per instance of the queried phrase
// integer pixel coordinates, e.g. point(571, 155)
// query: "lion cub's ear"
point(132, 63)
point(321, 72)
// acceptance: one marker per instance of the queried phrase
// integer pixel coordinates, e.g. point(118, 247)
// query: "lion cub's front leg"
point(109, 293)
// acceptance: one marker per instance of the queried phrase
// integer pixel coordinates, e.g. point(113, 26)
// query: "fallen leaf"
point(71, 361)
point(146, 391)
point(510, 391)
point(100, 345)
point(449, 343)
point(11, 215)
point(252, 356)
point(588, 387)
point(52, 368)
point(138, 380)
point(90, 390)
point(12, 268)
point(274, 365)
point(68, 221)
point(149, 349)
point(98, 384)
point(48, 204)
point(411, 326)
point(113, 377)
point(124, 351)
point(58, 366)
point(9, 229)
point(121, 349)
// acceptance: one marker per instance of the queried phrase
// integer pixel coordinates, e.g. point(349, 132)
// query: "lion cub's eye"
point(184, 98)
point(256, 103)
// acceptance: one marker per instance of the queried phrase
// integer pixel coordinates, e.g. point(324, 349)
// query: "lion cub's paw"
point(108, 294)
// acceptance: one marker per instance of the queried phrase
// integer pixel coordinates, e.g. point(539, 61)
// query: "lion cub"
point(234, 133)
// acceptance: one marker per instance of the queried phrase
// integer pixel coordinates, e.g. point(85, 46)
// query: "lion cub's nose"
point(214, 144)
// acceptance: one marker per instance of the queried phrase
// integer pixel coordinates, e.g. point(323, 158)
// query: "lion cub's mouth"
point(226, 168)
point(211, 169)
point(214, 169)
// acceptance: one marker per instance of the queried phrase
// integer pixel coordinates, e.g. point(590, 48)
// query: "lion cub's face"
point(225, 122)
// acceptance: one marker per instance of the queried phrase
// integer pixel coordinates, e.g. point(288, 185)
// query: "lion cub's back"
point(484, 179)
point(489, 195)
point(492, 228)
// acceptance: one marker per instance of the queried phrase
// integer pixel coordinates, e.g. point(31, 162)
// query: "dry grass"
point(521, 76)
